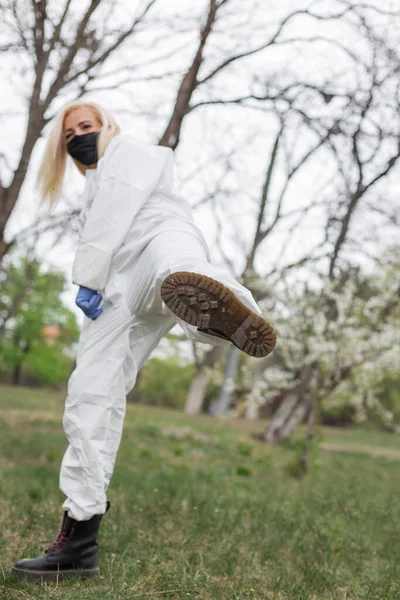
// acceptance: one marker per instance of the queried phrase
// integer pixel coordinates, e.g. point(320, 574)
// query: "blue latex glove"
point(89, 301)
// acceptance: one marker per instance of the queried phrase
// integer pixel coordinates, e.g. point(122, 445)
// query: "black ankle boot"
point(74, 552)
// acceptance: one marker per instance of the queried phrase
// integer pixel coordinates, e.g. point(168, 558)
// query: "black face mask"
point(84, 148)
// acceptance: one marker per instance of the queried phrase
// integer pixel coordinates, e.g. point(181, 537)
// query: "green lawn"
point(208, 520)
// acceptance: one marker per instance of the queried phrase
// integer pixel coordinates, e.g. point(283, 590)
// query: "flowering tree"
point(351, 353)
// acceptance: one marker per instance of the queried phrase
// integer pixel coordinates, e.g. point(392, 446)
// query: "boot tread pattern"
point(207, 304)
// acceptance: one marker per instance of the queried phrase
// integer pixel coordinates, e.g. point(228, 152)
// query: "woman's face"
point(79, 121)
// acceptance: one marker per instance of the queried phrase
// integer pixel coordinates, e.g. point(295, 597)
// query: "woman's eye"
point(86, 126)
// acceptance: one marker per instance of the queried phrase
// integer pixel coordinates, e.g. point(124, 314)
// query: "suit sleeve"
point(127, 180)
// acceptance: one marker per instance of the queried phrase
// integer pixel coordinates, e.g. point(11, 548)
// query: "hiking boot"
point(214, 309)
point(73, 553)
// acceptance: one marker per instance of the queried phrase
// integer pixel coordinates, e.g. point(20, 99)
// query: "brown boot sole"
point(54, 576)
point(213, 308)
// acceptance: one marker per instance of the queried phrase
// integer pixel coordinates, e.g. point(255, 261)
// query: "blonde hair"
point(52, 168)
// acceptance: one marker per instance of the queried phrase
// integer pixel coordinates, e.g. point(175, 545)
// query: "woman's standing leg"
point(116, 344)
point(145, 333)
point(111, 351)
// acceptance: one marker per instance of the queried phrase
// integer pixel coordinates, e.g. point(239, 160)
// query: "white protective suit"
point(135, 230)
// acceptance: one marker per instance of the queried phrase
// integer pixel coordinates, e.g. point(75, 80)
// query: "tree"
point(322, 357)
point(30, 301)
point(367, 149)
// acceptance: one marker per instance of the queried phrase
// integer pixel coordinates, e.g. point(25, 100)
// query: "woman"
point(141, 266)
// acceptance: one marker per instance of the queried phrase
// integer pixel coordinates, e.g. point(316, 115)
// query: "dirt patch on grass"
point(17, 416)
point(357, 449)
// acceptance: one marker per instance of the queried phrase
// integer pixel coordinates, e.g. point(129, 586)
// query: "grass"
point(206, 520)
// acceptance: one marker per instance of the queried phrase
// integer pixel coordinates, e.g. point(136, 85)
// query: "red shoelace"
point(61, 539)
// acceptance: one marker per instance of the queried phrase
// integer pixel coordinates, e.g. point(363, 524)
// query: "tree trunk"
point(222, 402)
point(305, 454)
point(291, 412)
point(197, 392)
point(171, 135)
point(198, 389)
point(252, 412)
point(9, 196)
point(288, 415)
point(16, 378)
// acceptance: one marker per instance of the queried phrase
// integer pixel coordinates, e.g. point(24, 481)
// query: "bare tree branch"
point(56, 37)
point(270, 42)
point(263, 203)
point(103, 57)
